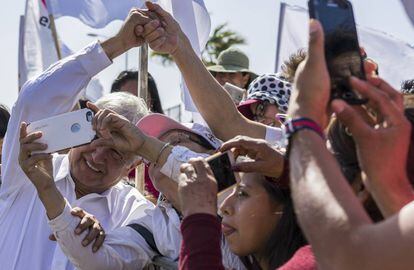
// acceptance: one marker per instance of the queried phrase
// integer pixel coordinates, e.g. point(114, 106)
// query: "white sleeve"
point(53, 92)
point(123, 247)
point(274, 135)
point(179, 155)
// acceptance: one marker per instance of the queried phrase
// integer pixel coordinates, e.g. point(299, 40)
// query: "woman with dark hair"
point(127, 81)
point(259, 223)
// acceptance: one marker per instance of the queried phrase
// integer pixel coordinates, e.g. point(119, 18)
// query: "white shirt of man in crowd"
point(24, 230)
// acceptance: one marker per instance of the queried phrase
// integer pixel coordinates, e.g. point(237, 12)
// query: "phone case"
point(235, 92)
point(65, 130)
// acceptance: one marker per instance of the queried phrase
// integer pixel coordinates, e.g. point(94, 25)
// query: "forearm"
point(52, 200)
point(211, 99)
point(327, 208)
point(121, 249)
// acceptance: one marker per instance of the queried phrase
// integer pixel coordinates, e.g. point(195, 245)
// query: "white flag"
point(194, 20)
point(394, 57)
point(37, 50)
point(409, 7)
point(95, 13)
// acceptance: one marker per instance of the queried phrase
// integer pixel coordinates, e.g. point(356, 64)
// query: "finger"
point(99, 241)
point(201, 166)
point(151, 27)
point(378, 100)
point(154, 35)
point(139, 30)
point(350, 118)
point(78, 212)
point(30, 147)
point(35, 159)
point(52, 237)
point(23, 132)
point(316, 50)
point(92, 107)
point(102, 142)
point(394, 94)
point(100, 120)
point(92, 234)
point(86, 222)
point(160, 12)
point(370, 67)
point(30, 137)
point(157, 44)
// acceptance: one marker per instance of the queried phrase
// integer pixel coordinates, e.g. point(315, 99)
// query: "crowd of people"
point(321, 184)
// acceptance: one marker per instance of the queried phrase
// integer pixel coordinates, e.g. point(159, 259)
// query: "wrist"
point(52, 200)
point(114, 47)
point(183, 47)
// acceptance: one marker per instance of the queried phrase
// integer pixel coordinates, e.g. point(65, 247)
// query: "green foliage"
point(221, 39)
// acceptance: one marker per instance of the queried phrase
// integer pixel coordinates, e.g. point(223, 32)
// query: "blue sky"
point(256, 20)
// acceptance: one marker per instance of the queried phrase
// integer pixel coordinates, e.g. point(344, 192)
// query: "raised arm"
point(211, 99)
point(334, 221)
point(57, 90)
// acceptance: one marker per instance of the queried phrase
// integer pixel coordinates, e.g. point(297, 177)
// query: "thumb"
point(316, 49)
point(350, 118)
point(160, 12)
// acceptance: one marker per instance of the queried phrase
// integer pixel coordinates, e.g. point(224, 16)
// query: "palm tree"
point(221, 39)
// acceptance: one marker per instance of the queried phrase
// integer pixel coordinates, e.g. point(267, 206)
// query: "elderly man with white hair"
point(88, 177)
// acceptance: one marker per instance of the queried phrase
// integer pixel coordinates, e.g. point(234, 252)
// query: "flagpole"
point(279, 33)
point(55, 36)
point(142, 93)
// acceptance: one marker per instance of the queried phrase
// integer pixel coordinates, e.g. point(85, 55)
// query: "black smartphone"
point(221, 165)
point(342, 50)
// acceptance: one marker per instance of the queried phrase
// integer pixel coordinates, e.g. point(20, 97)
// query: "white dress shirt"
point(24, 229)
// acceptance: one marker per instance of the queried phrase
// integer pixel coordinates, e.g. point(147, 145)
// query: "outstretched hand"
point(383, 144)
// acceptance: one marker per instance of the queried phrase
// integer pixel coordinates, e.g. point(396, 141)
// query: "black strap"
point(147, 235)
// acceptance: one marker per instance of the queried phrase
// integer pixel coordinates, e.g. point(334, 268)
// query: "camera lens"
point(89, 116)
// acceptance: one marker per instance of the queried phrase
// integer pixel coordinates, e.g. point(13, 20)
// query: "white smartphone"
point(65, 130)
point(235, 92)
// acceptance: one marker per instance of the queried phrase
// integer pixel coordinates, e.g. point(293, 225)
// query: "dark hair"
point(344, 149)
point(4, 120)
point(287, 237)
point(407, 87)
point(290, 66)
point(128, 75)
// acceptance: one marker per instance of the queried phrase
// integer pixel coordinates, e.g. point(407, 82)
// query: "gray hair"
point(131, 107)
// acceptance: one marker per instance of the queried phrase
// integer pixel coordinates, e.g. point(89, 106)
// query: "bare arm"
point(212, 101)
point(339, 230)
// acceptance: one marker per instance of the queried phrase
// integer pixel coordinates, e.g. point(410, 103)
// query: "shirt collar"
point(63, 173)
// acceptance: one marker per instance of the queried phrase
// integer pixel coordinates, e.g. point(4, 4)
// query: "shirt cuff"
point(63, 221)
point(93, 59)
point(274, 135)
point(178, 156)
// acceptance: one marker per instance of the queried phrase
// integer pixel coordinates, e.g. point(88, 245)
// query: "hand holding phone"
point(342, 51)
point(65, 130)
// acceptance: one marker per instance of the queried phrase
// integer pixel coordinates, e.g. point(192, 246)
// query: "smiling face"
point(96, 169)
point(250, 216)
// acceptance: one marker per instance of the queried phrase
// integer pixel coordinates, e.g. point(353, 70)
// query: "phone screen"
point(222, 170)
point(341, 46)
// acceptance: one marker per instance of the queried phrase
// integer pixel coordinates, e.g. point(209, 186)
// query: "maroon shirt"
point(200, 248)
